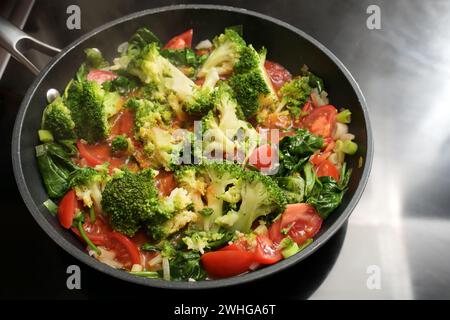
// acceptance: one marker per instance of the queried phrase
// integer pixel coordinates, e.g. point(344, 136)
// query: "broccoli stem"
point(92, 214)
point(85, 238)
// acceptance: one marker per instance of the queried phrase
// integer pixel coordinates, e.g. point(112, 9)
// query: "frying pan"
point(286, 45)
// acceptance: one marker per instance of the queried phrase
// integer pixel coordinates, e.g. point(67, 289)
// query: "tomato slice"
point(278, 121)
point(94, 154)
point(181, 41)
point(98, 232)
point(277, 74)
point(100, 76)
point(123, 124)
point(227, 263)
point(126, 251)
point(327, 168)
point(165, 182)
point(265, 251)
point(67, 209)
point(301, 221)
point(275, 232)
point(321, 121)
point(261, 157)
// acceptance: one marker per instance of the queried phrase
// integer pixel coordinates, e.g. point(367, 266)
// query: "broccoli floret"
point(226, 53)
point(201, 240)
point(57, 119)
point(163, 148)
point(186, 177)
point(130, 199)
point(293, 187)
point(160, 230)
point(260, 197)
point(151, 67)
point(295, 94)
point(201, 101)
point(149, 113)
point(141, 38)
point(85, 102)
point(253, 88)
point(119, 145)
point(224, 132)
point(88, 184)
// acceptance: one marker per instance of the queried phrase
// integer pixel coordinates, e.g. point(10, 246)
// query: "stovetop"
point(395, 244)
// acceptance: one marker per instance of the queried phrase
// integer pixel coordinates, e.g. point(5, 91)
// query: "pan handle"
point(13, 40)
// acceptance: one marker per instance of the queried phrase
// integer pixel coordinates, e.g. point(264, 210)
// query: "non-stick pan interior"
point(285, 45)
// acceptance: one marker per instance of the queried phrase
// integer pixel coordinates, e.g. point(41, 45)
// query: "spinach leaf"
point(55, 165)
point(143, 37)
point(121, 84)
point(327, 193)
point(296, 150)
point(184, 58)
point(186, 265)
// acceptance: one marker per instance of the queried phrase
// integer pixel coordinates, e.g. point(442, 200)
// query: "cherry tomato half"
point(261, 157)
point(321, 121)
point(100, 76)
point(126, 251)
point(301, 222)
point(227, 263)
point(181, 41)
point(277, 74)
point(327, 168)
point(265, 251)
point(67, 209)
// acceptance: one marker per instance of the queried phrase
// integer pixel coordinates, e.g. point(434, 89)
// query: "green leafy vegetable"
point(185, 266)
point(55, 165)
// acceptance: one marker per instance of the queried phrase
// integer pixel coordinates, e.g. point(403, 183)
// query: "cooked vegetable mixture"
point(187, 163)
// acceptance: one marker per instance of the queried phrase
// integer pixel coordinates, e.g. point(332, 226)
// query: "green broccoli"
point(57, 119)
point(130, 199)
point(88, 184)
point(253, 88)
point(224, 132)
point(293, 187)
point(172, 215)
point(85, 102)
point(149, 113)
point(186, 177)
point(119, 145)
point(294, 94)
point(201, 240)
point(260, 196)
point(225, 54)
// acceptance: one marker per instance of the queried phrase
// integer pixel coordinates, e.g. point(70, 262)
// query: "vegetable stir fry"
point(191, 163)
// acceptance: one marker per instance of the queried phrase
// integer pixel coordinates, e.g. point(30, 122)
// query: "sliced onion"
point(319, 100)
point(347, 137)
point(122, 47)
point(166, 269)
point(136, 268)
point(155, 261)
point(341, 129)
point(204, 44)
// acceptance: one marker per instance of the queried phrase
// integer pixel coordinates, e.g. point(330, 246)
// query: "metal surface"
point(17, 13)
point(14, 40)
point(315, 55)
point(402, 222)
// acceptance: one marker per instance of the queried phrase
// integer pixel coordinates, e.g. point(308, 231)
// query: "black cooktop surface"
point(400, 229)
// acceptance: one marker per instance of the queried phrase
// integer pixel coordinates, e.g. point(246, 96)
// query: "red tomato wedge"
point(301, 221)
point(165, 182)
point(277, 74)
point(98, 232)
point(327, 168)
point(181, 41)
point(321, 121)
point(227, 263)
point(123, 124)
point(261, 157)
point(67, 209)
point(100, 76)
point(275, 232)
point(126, 251)
point(265, 251)
point(94, 154)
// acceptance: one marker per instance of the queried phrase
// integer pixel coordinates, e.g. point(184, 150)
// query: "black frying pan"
point(286, 45)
